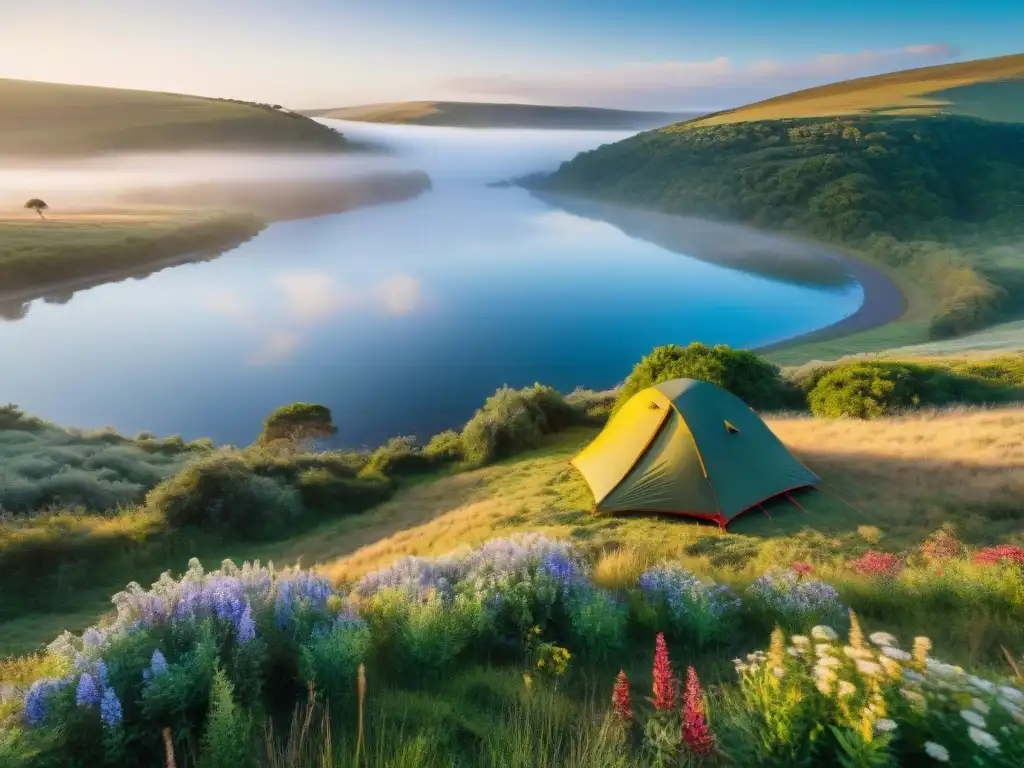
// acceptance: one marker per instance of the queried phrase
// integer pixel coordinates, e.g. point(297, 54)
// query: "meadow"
point(56, 120)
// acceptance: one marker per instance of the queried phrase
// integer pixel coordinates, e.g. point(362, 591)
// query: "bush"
point(221, 493)
point(298, 422)
point(592, 407)
point(675, 601)
point(512, 420)
point(399, 456)
point(444, 447)
point(754, 380)
point(323, 491)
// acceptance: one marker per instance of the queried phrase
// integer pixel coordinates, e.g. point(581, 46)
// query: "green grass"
point(53, 119)
point(966, 88)
point(70, 247)
point(485, 115)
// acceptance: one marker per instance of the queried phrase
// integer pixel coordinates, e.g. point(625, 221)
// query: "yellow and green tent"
point(688, 447)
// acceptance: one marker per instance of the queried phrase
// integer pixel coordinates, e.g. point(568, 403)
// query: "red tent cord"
point(797, 503)
point(765, 511)
point(837, 496)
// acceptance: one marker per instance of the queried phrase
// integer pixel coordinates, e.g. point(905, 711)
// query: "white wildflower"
point(944, 670)
point(1018, 717)
point(1008, 705)
point(793, 651)
point(983, 739)
point(829, 662)
point(882, 638)
point(1012, 694)
point(896, 653)
point(856, 653)
point(778, 672)
point(885, 725)
point(972, 717)
point(911, 675)
point(980, 706)
point(800, 640)
point(936, 751)
point(823, 632)
point(823, 649)
point(846, 689)
point(868, 668)
point(985, 685)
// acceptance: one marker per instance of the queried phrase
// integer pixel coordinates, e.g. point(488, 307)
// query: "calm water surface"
point(400, 318)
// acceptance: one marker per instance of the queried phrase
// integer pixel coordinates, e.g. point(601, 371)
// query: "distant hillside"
point(467, 114)
point(937, 197)
point(46, 119)
point(992, 89)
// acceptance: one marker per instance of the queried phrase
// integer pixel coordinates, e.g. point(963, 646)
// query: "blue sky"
point(656, 54)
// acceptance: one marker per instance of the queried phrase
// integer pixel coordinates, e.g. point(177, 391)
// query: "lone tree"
point(37, 205)
point(297, 422)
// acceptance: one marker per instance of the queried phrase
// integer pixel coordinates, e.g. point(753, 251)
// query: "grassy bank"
point(71, 247)
point(53, 120)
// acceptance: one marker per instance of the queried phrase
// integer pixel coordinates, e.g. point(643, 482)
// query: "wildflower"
point(800, 641)
point(912, 696)
point(110, 708)
point(622, 704)
point(823, 632)
point(856, 653)
point(1008, 705)
point(157, 663)
point(794, 651)
point(664, 683)
point(920, 650)
point(797, 598)
point(696, 734)
point(35, 699)
point(1004, 553)
point(822, 649)
point(883, 639)
point(875, 563)
point(980, 706)
point(801, 569)
point(868, 668)
point(884, 725)
point(856, 634)
point(983, 739)
point(972, 717)
point(941, 545)
point(527, 680)
point(775, 650)
point(892, 668)
point(948, 671)
point(1012, 694)
point(87, 694)
point(246, 626)
point(829, 662)
point(936, 751)
point(845, 689)
point(824, 679)
point(895, 653)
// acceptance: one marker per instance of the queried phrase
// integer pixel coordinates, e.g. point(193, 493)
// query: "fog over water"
point(401, 318)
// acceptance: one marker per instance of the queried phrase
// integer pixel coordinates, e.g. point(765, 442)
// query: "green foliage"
point(329, 661)
point(227, 739)
point(222, 493)
point(512, 420)
point(444, 447)
point(326, 492)
point(749, 377)
point(867, 390)
point(918, 193)
point(298, 421)
point(597, 625)
point(399, 456)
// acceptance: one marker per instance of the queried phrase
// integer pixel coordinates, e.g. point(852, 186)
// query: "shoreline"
point(745, 248)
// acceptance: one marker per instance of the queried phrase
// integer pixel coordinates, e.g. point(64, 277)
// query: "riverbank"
point(152, 229)
point(772, 256)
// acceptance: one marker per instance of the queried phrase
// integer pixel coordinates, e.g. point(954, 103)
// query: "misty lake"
point(401, 318)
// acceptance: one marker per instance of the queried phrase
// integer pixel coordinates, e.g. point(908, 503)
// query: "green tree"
point(297, 422)
point(37, 205)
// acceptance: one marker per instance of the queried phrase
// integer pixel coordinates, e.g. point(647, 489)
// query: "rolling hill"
point(467, 114)
point(51, 119)
point(992, 89)
point(933, 194)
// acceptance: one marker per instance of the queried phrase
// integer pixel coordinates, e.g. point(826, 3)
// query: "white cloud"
point(399, 295)
point(278, 346)
point(226, 303)
point(312, 296)
point(711, 84)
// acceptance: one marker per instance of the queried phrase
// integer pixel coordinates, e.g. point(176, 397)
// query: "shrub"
point(324, 491)
point(512, 420)
point(444, 447)
point(597, 624)
point(592, 407)
point(399, 456)
point(864, 391)
point(794, 602)
point(754, 380)
point(330, 658)
point(221, 493)
point(298, 421)
point(227, 740)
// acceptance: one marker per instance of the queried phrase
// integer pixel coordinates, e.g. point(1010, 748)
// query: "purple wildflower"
point(35, 699)
point(246, 626)
point(110, 708)
point(87, 694)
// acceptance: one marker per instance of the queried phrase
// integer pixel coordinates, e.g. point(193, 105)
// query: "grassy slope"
point(484, 115)
point(970, 88)
point(906, 476)
point(54, 119)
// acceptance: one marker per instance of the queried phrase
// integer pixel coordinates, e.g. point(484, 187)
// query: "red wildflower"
point(664, 683)
point(1004, 553)
point(696, 734)
point(877, 564)
point(801, 569)
point(622, 705)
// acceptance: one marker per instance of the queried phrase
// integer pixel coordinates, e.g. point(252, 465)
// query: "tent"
point(688, 447)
